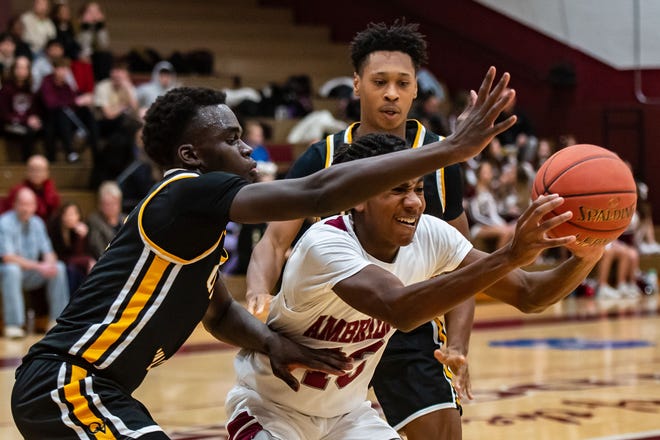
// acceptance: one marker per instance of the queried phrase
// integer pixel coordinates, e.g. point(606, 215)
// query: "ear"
point(356, 84)
point(359, 207)
point(188, 156)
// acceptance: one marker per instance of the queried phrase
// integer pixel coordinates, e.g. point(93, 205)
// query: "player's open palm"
point(286, 355)
point(476, 125)
point(531, 236)
point(458, 365)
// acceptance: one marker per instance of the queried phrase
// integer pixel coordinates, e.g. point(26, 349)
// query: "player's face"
point(218, 145)
point(391, 218)
point(387, 88)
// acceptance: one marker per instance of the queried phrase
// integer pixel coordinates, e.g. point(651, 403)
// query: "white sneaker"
point(14, 332)
point(629, 290)
point(649, 248)
point(608, 292)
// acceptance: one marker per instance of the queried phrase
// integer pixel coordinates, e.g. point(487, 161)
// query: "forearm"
point(548, 287)
point(23, 263)
point(459, 325)
point(238, 327)
point(264, 269)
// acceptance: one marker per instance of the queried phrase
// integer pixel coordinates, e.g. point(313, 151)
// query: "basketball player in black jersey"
point(158, 278)
point(414, 390)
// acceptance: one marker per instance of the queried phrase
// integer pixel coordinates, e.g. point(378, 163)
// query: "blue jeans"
point(15, 280)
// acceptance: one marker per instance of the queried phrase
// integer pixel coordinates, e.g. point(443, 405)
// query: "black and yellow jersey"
point(152, 285)
point(443, 190)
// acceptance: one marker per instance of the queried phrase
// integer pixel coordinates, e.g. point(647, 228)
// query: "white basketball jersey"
point(309, 312)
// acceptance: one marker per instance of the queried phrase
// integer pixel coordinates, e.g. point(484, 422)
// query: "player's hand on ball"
point(458, 365)
point(532, 230)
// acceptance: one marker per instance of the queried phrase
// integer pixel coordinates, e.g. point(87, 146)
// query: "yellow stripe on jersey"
point(136, 304)
point(418, 135)
point(81, 410)
point(163, 253)
point(440, 179)
point(329, 151)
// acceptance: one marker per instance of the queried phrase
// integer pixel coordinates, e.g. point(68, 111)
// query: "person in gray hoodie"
point(163, 79)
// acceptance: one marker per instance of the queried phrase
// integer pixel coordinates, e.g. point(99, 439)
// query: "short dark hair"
point(169, 117)
point(369, 145)
point(399, 37)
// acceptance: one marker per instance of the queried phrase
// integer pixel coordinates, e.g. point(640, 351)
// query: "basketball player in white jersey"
point(353, 279)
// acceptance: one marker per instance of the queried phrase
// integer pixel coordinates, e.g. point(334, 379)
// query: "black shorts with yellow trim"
point(409, 382)
point(59, 400)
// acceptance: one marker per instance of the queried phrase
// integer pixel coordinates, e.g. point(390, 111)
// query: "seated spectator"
point(107, 220)
point(67, 114)
point(43, 65)
point(627, 259)
point(7, 54)
point(60, 15)
point(487, 224)
point(37, 178)
point(254, 137)
point(645, 231)
point(116, 101)
point(163, 79)
point(428, 109)
point(68, 233)
point(250, 234)
point(20, 111)
point(138, 177)
point(38, 28)
point(94, 39)
point(28, 262)
point(15, 28)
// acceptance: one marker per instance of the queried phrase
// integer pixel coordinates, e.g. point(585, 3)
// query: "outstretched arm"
point(228, 321)
point(379, 293)
point(342, 186)
point(268, 257)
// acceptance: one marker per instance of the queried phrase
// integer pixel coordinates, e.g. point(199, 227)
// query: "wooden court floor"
point(581, 370)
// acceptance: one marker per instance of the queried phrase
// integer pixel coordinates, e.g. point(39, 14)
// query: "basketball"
point(597, 186)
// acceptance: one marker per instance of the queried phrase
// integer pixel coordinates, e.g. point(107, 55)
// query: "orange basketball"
point(597, 186)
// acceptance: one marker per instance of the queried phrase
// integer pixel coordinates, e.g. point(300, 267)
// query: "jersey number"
point(319, 380)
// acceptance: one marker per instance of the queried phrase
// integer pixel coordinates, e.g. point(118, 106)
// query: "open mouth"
point(408, 221)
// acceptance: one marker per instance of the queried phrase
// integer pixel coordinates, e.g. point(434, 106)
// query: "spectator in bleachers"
point(7, 54)
point(116, 99)
point(67, 114)
point(60, 15)
point(139, 176)
point(15, 29)
point(28, 262)
point(627, 269)
point(253, 135)
point(37, 178)
point(94, 39)
point(20, 110)
point(427, 109)
point(106, 221)
point(163, 79)
point(645, 233)
point(487, 224)
point(43, 64)
point(38, 28)
point(513, 192)
point(68, 233)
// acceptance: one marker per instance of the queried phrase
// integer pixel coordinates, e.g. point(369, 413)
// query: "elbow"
point(529, 308)
point(399, 317)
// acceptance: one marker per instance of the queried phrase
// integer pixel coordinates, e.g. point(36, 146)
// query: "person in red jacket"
point(20, 112)
point(67, 113)
point(37, 178)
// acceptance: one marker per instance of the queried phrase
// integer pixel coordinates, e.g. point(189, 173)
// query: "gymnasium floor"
point(582, 370)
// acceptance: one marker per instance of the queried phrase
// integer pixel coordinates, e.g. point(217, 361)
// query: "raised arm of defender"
point(343, 186)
